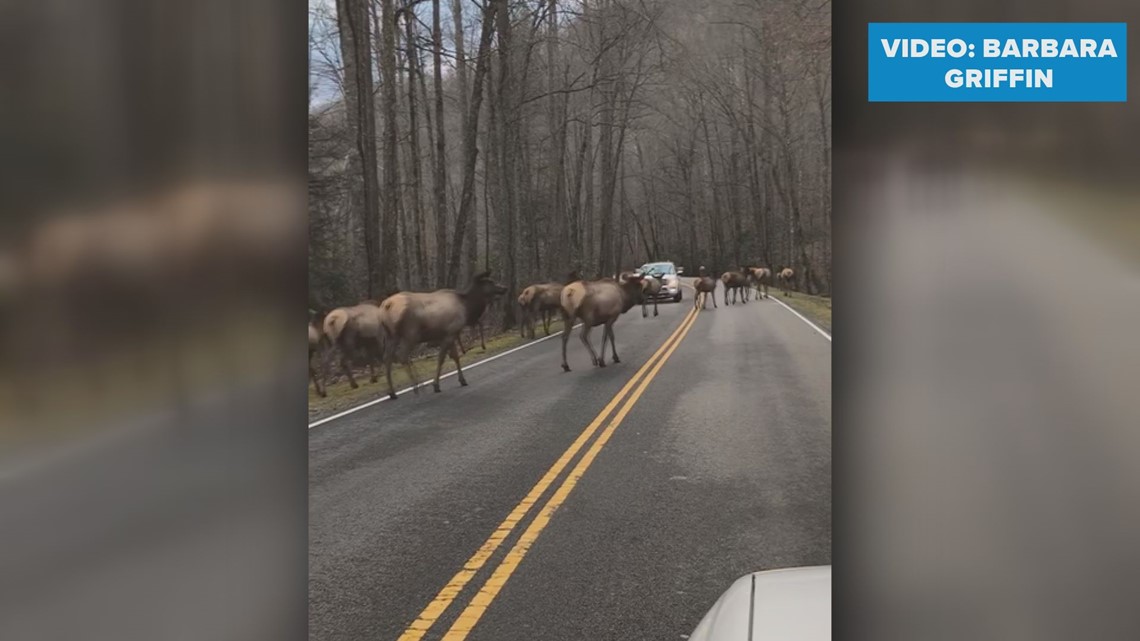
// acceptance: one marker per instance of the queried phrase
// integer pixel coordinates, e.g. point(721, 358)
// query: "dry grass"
point(815, 308)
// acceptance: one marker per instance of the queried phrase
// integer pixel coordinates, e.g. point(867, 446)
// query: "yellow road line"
point(447, 595)
point(482, 600)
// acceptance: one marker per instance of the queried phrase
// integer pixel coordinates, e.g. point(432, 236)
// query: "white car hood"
point(793, 604)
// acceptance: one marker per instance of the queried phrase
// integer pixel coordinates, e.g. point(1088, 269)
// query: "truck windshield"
point(661, 269)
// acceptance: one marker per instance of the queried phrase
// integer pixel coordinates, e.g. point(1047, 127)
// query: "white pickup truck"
point(792, 604)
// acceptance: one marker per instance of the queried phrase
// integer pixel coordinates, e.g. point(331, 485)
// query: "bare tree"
point(593, 135)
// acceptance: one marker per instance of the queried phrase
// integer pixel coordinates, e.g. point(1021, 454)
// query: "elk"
point(737, 282)
point(317, 340)
point(705, 285)
point(433, 318)
point(598, 302)
point(352, 329)
point(786, 277)
point(761, 277)
point(539, 300)
point(651, 288)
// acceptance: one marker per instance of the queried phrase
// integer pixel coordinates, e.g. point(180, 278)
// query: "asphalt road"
point(719, 466)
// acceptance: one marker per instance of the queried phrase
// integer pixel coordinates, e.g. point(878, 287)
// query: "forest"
point(533, 137)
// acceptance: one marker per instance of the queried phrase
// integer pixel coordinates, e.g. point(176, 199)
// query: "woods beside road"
point(534, 138)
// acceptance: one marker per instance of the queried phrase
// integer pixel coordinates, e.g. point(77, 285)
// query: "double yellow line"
point(490, 589)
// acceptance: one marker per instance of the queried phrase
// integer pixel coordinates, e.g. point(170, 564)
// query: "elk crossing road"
point(613, 503)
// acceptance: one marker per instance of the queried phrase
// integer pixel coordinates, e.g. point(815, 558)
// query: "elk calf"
point(352, 329)
point(541, 300)
point(787, 278)
point(705, 286)
point(761, 277)
point(651, 288)
point(738, 283)
point(435, 318)
point(598, 302)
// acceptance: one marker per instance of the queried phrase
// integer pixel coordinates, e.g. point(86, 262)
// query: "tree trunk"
point(391, 177)
point(419, 278)
point(440, 182)
point(352, 18)
point(470, 149)
point(506, 112)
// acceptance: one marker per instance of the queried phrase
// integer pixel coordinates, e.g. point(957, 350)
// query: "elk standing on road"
point(738, 283)
point(787, 278)
point(598, 302)
point(352, 329)
point(539, 300)
point(435, 318)
point(705, 286)
point(651, 288)
point(761, 277)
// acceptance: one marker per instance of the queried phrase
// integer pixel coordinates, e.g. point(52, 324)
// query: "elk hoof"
point(322, 394)
point(353, 384)
point(372, 380)
point(393, 396)
point(616, 359)
point(601, 363)
point(463, 382)
point(436, 389)
point(565, 367)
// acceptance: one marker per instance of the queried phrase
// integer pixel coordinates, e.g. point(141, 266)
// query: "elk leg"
point(482, 342)
point(346, 368)
point(389, 356)
point(444, 348)
point(374, 356)
point(714, 298)
point(566, 327)
point(613, 341)
point(316, 379)
point(547, 318)
point(655, 306)
point(406, 358)
point(585, 336)
point(605, 337)
point(644, 313)
point(458, 368)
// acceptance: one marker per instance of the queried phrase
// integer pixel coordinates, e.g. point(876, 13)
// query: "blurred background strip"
point(152, 250)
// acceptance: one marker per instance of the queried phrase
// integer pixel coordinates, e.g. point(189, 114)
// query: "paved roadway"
point(720, 466)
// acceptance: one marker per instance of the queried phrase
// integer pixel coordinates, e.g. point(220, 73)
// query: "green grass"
point(341, 396)
point(815, 308)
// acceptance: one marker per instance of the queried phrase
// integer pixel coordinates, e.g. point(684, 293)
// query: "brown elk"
point(761, 277)
point(705, 286)
point(786, 277)
point(433, 318)
point(541, 300)
point(598, 302)
point(353, 329)
point(737, 282)
point(651, 289)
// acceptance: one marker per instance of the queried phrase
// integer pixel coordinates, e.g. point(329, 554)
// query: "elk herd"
point(380, 332)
